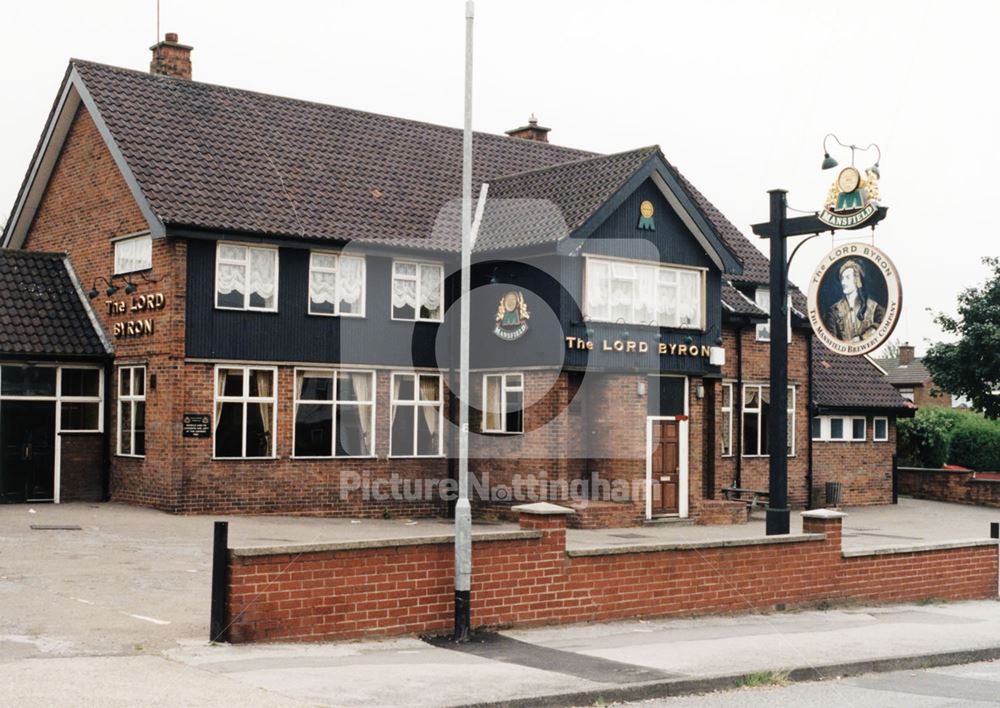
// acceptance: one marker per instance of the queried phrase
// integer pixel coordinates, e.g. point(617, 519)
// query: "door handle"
point(26, 453)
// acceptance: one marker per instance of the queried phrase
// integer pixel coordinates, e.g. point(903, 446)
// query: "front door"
point(665, 466)
point(27, 450)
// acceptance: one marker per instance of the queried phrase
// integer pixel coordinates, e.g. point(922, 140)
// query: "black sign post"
point(778, 229)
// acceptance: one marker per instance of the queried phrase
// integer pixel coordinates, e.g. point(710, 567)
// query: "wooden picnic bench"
point(753, 498)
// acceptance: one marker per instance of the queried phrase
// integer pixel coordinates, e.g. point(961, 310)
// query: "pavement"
point(116, 613)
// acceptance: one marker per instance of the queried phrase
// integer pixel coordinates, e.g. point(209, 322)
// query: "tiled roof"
point(736, 302)
point(851, 382)
point(41, 310)
point(900, 374)
point(519, 208)
point(225, 159)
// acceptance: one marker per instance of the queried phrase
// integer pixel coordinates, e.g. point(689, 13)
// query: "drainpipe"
point(738, 408)
point(109, 382)
point(809, 412)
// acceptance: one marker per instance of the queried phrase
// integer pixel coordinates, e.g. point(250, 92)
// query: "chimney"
point(531, 131)
point(905, 354)
point(170, 58)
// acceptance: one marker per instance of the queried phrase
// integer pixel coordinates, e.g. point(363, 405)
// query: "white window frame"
point(420, 265)
point(762, 299)
point(416, 404)
point(597, 261)
point(245, 262)
point(758, 411)
point(246, 400)
point(727, 417)
point(847, 426)
point(333, 403)
point(143, 245)
point(505, 388)
point(98, 399)
point(875, 421)
point(131, 399)
point(906, 393)
point(336, 271)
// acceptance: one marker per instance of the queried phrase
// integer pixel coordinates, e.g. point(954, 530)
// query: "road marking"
point(85, 602)
point(145, 619)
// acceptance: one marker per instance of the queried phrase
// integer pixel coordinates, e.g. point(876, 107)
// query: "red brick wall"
point(352, 593)
point(863, 468)
point(927, 394)
point(949, 486)
point(81, 462)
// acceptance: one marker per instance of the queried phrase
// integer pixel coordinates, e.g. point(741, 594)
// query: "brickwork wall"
point(955, 486)
point(926, 395)
point(863, 468)
point(392, 590)
point(81, 460)
point(718, 512)
point(756, 370)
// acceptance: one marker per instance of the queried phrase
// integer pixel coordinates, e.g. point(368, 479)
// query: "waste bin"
point(833, 494)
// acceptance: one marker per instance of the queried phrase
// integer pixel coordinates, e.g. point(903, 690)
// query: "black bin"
point(833, 494)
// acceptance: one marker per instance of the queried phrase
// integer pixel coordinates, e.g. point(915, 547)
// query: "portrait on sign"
point(854, 299)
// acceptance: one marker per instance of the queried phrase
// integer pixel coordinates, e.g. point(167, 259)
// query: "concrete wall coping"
point(922, 547)
point(693, 545)
point(932, 470)
point(542, 509)
point(298, 549)
point(822, 514)
point(980, 480)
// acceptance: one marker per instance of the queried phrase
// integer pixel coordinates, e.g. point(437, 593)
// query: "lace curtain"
point(430, 287)
point(263, 271)
point(429, 392)
point(334, 281)
point(352, 280)
point(404, 293)
point(232, 278)
point(362, 384)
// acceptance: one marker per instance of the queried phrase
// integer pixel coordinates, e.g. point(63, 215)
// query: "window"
point(246, 278)
point(840, 428)
point(643, 293)
point(133, 254)
point(907, 393)
point(880, 429)
point(336, 285)
point(244, 412)
point(727, 419)
point(80, 407)
point(416, 416)
point(417, 291)
point(334, 413)
point(132, 411)
point(762, 298)
point(503, 403)
point(756, 406)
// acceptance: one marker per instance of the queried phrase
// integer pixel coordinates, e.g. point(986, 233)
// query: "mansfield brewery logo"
point(852, 199)
point(512, 316)
point(855, 298)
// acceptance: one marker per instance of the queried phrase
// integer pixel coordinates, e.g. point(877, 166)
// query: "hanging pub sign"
point(855, 298)
point(852, 199)
point(512, 316)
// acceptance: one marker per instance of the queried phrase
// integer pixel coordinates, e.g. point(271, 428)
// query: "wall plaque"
point(197, 425)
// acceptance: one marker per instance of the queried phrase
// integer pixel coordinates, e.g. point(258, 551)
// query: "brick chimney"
point(531, 131)
point(170, 58)
point(905, 354)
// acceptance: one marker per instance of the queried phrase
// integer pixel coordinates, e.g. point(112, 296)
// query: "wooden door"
point(665, 466)
point(27, 450)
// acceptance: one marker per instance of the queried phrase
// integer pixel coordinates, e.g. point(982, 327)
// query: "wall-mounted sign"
point(197, 425)
point(852, 199)
point(632, 346)
point(646, 211)
point(135, 304)
point(512, 316)
point(855, 298)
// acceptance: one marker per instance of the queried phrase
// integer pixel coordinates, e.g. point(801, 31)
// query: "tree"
point(889, 350)
point(971, 366)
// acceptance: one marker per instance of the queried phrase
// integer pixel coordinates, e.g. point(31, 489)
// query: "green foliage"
point(923, 440)
point(971, 366)
point(763, 678)
point(975, 443)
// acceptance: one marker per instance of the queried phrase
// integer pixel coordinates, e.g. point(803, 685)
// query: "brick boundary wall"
point(385, 588)
point(959, 486)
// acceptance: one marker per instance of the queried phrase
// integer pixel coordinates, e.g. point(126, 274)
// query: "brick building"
point(275, 280)
point(911, 378)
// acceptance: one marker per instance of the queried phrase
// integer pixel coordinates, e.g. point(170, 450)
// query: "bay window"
point(334, 413)
point(417, 291)
point(246, 278)
point(416, 415)
point(503, 403)
point(643, 293)
point(244, 411)
point(336, 284)
point(756, 409)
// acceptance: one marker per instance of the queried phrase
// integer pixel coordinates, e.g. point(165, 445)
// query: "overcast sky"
point(738, 94)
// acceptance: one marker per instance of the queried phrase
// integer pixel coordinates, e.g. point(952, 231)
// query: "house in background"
point(914, 382)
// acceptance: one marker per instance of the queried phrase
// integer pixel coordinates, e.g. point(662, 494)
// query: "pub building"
point(220, 301)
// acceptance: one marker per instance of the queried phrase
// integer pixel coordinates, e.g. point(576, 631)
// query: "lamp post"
point(777, 229)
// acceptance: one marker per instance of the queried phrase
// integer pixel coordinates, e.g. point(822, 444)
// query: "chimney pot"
point(531, 131)
point(171, 58)
point(906, 354)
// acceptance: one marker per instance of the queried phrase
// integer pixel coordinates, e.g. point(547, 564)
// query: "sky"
point(739, 95)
